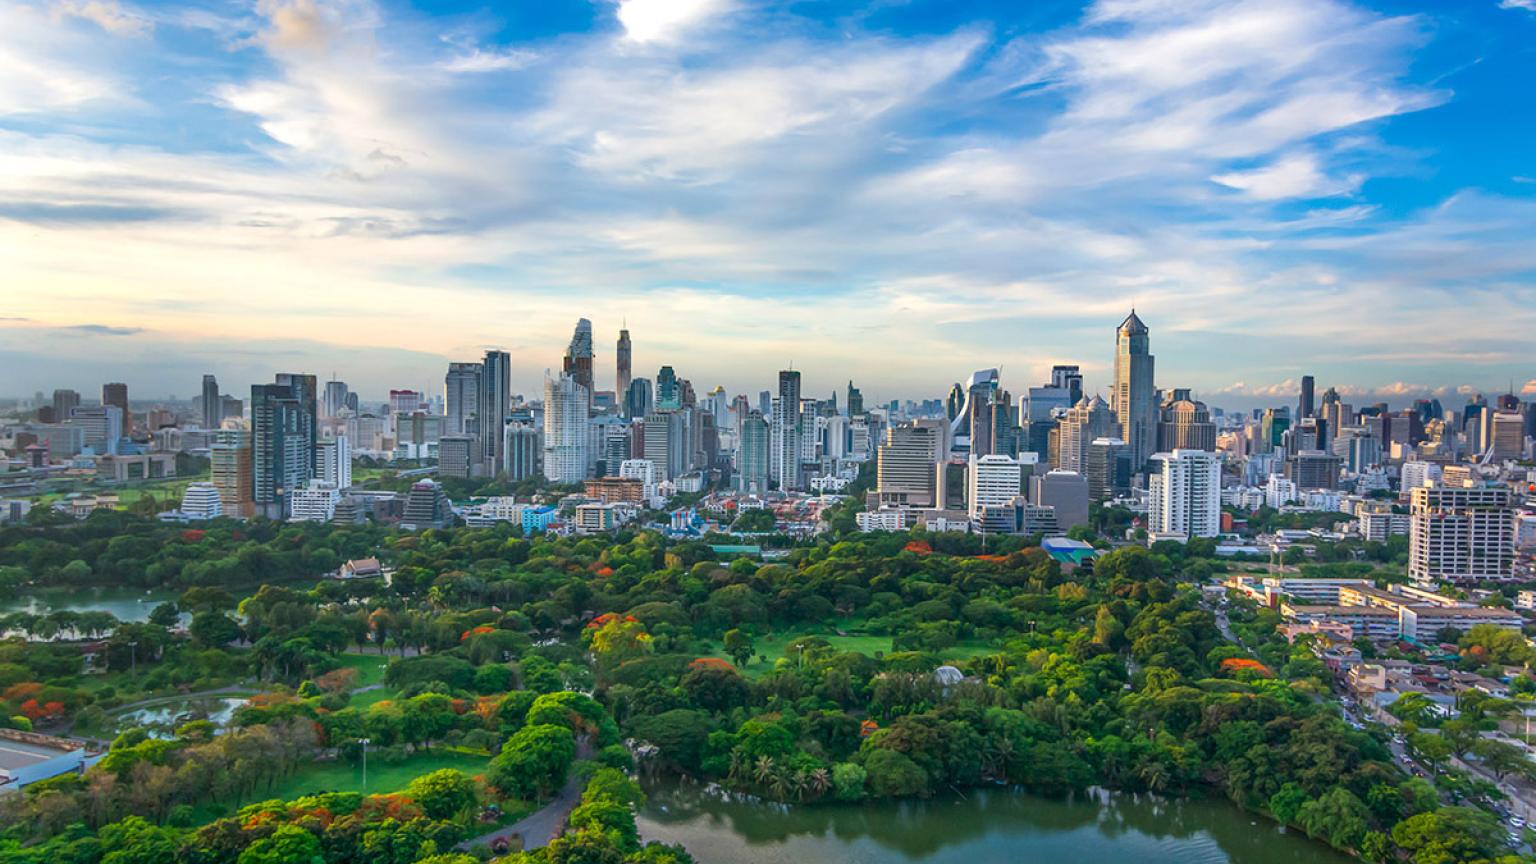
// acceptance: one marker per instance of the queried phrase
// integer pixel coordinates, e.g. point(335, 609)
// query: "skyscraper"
point(461, 398)
point(855, 401)
point(1070, 379)
point(1306, 406)
point(1135, 396)
point(907, 464)
point(667, 395)
point(283, 453)
point(1083, 423)
point(623, 378)
point(752, 455)
point(637, 398)
point(785, 455)
point(578, 358)
point(494, 403)
point(334, 399)
point(566, 442)
point(1185, 424)
point(117, 394)
point(1461, 533)
point(213, 404)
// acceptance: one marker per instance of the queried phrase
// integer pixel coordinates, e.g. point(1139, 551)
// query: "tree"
point(1502, 758)
point(893, 775)
point(165, 615)
point(1449, 834)
point(213, 629)
point(740, 646)
point(289, 844)
point(534, 762)
point(443, 794)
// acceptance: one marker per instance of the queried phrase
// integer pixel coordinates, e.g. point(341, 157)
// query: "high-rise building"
point(1083, 424)
point(1305, 408)
point(578, 358)
point(1107, 468)
point(638, 400)
point(461, 400)
point(566, 416)
point(1507, 438)
point(1185, 495)
point(784, 458)
point(335, 462)
point(622, 379)
point(993, 480)
point(1135, 394)
point(456, 456)
point(1070, 379)
point(752, 455)
point(213, 405)
point(1065, 492)
point(316, 502)
point(229, 457)
point(115, 394)
point(855, 401)
point(524, 448)
point(494, 404)
point(103, 426)
point(64, 403)
point(668, 396)
point(1461, 533)
point(907, 464)
point(283, 426)
point(1185, 424)
point(333, 401)
point(1313, 469)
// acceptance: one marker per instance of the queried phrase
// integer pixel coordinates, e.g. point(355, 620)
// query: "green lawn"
point(341, 777)
point(372, 697)
point(773, 645)
point(370, 667)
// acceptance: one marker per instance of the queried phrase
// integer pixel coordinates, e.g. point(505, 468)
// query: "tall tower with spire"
point(1135, 396)
point(578, 357)
point(621, 382)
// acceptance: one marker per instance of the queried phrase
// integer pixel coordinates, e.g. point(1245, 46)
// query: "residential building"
point(994, 482)
point(212, 404)
point(494, 404)
point(461, 400)
point(786, 446)
point(566, 415)
point(231, 471)
point(752, 455)
point(1081, 425)
point(1461, 533)
point(283, 425)
point(200, 501)
point(316, 502)
point(1185, 495)
point(334, 456)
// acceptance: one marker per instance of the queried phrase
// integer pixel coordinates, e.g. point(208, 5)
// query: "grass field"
point(773, 645)
point(342, 777)
point(370, 667)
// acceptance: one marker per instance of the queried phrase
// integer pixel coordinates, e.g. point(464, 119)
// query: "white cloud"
point(110, 15)
point(665, 20)
point(1528, 5)
point(1295, 176)
point(477, 60)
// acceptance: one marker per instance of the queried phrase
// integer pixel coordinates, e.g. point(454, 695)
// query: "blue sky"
point(894, 192)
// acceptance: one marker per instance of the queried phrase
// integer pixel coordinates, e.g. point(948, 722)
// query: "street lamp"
point(365, 742)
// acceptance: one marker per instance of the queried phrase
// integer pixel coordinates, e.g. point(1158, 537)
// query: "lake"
point(988, 825)
point(127, 604)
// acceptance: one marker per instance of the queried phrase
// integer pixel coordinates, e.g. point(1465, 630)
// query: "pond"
point(164, 717)
point(126, 604)
point(986, 825)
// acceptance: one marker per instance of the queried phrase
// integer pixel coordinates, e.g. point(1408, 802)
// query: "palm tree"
point(781, 783)
point(819, 780)
point(738, 765)
point(763, 769)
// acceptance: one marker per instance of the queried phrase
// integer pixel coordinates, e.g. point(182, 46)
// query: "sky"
point(896, 192)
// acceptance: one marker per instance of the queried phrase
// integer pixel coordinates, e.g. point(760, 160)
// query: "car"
point(1517, 821)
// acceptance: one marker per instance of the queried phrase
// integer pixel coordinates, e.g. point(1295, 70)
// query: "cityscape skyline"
point(382, 188)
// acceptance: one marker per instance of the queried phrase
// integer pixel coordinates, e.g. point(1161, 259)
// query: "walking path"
point(538, 828)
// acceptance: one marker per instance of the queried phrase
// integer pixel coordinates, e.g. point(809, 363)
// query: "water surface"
point(987, 825)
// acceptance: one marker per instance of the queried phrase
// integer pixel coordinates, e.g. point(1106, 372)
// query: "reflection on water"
point(162, 719)
point(126, 604)
point(987, 825)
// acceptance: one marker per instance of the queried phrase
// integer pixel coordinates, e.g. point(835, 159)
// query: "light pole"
point(365, 742)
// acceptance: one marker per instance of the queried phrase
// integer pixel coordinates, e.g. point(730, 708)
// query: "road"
point(538, 828)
